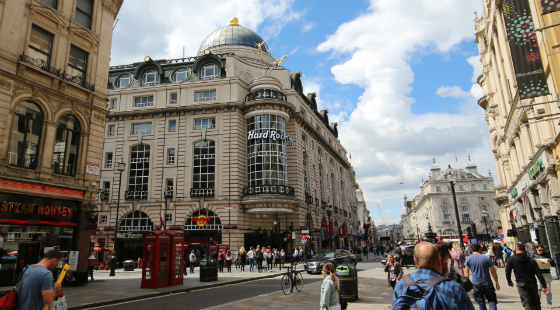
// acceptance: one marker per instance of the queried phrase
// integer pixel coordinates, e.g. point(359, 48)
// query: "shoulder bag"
point(8, 301)
point(463, 281)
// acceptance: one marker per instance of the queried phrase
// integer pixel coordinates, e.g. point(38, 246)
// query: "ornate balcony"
point(43, 65)
point(268, 190)
point(135, 194)
point(202, 192)
point(104, 194)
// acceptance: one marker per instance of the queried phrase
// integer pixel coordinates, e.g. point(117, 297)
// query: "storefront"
point(130, 236)
point(202, 228)
point(31, 226)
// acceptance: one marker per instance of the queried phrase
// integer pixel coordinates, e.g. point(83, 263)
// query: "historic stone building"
point(225, 135)
point(54, 60)
point(434, 205)
point(522, 131)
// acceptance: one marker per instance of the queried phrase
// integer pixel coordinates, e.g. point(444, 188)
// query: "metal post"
point(457, 215)
point(486, 226)
point(114, 259)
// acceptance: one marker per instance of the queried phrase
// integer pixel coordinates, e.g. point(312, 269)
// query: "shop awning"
point(38, 222)
point(100, 249)
point(270, 211)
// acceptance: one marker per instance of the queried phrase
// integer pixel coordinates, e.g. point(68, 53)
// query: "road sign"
point(229, 207)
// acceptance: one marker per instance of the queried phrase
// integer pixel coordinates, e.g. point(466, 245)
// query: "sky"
point(398, 76)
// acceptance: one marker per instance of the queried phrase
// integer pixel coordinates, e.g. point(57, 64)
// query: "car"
point(337, 257)
point(408, 259)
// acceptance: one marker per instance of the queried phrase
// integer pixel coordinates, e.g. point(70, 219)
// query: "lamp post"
point(330, 229)
point(120, 168)
point(485, 218)
point(457, 215)
point(417, 229)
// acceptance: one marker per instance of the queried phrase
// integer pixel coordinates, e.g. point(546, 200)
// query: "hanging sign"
point(201, 220)
point(525, 52)
point(549, 6)
point(73, 260)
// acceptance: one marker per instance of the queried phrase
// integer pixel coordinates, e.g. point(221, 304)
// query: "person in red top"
point(221, 260)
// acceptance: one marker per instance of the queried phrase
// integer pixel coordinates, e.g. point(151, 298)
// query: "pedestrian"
point(192, 261)
point(229, 260)
point(449, 293)
point(546, 262)
point(481, 267)
point(457, 255)
point(393, 270)
point(221, 259)
point(237, 259)
point(259, 258)
point(498, 251)
point(282, 258)
point(329, 289)
point(242, 258)
point(90, 268)
point(36, 287)
point(268, 258)
point(214, 254)
point(296, 254)
point(526, 269)
point(447, 262)
point(507, 253)
point(251, 257)
point(366, 252)
point(276, 257)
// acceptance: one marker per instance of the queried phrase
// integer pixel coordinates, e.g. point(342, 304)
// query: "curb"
point(179, 290)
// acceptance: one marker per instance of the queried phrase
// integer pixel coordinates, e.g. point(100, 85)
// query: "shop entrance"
point(202, 228)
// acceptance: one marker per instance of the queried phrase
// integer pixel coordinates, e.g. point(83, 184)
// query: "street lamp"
point(120, 168)
point(417, 229)
point(485, 218)
point(457, 215)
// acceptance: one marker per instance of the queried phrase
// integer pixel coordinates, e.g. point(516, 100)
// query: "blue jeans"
point(251, 264)
point(481, 293)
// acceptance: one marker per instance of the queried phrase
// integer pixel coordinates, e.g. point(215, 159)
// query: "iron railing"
point(43, 65)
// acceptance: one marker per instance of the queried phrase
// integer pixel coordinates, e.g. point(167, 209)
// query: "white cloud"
point(452, 91)
point(477, 67)
point(387, 211)
point(389, 143)
point(161, 32)
point(313, 86)
point(308, 26)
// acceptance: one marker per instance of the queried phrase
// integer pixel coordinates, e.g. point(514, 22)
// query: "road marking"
point(131, 301)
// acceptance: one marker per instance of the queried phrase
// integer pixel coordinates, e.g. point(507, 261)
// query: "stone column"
point(503, 75)
point(522, 159)
point(49, 140)
point(515, 162)
point(504, 108)
point(504, 50)
point(526, 139)
point(535, 134)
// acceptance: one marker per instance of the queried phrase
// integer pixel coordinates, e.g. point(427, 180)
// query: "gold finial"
point(234, 22)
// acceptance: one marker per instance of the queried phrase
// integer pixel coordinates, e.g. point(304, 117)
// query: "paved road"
point(210, 297)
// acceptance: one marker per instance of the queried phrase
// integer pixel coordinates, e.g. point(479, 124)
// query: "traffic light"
point(289, 236)
point(473, 230)
point(469, 233)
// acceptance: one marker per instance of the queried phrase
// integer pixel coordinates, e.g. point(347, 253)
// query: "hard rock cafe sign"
point(201, 220)
point(130, 234)
point(270, 134)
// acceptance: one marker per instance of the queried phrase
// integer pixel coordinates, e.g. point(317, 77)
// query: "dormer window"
point(181, 75)
point(209, 72)
point(150, 78)
point(124, 81)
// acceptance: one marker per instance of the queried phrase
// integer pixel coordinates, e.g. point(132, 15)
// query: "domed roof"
point(233, 34)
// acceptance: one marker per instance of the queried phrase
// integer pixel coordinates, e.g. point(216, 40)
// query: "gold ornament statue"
point(279, 61)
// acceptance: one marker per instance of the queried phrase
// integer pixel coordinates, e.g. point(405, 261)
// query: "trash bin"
point(208, 270)
point(128, 265)
point(348, 279)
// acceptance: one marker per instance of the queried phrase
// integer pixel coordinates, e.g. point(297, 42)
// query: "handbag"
point(463, 281)
point(8, 301)
point(343, 303)
point(59, 303)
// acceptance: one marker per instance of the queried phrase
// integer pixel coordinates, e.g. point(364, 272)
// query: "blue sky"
point(398, 76)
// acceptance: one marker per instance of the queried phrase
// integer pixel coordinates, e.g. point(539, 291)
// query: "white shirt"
point(250, 254)
point(91, 257)
point(296, 253)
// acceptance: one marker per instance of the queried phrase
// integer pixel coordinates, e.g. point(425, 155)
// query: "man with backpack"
point(427, 288)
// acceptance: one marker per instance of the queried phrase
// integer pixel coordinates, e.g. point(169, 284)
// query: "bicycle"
point(291, 279)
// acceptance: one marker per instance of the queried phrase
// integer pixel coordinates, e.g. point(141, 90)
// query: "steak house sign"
point(270, 134)
point(30, 208)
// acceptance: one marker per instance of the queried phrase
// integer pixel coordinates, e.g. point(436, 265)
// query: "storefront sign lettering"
point(130, 235)
point(270, 134)
point(33, 208)
point(513, 193)
point(535, 170)
point(201, 220)
point(29, 208)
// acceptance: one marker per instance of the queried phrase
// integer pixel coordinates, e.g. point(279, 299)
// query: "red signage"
point(201, 220)
point(342, 230)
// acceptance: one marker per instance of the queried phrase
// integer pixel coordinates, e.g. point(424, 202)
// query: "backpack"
point(420, 296)
point(508, 251)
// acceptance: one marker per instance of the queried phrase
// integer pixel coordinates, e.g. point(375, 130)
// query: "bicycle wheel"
point(286, 285)
point(299, 281)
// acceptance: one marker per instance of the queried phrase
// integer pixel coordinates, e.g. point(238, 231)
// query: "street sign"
point(305, 231)
point(73, 260)
point(293, 235)
point(229, 207)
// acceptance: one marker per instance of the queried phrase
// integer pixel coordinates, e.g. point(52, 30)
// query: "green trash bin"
point(208, 270)
point(128, 265)
point(348, 278)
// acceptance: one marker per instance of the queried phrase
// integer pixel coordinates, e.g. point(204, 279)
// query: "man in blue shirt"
point(36, 286)
point(481, 266)
point(450, 294)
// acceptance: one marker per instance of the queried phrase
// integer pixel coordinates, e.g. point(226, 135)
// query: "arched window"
point(204, 164)
point(446, 215)
point(65, 157)
point(180, 75)
point(149, 78)
point(136, 221)
point(466, 218)
point(484, 208)
point(209, 71)
point(213, 224)
point(305, 186)
point(25, 136)
point(124, 81)
point(139, 175)
point(449, 232)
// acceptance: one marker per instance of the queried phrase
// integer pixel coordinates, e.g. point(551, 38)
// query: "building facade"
point(227, 137)
point(54, 60)
point(435, 206)
point(366, 227)
point(523, 129)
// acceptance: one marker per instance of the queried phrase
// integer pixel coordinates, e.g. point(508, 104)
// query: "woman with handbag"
point(330, 299)
point(229, 259)
point(393, 270)
point(242, 258)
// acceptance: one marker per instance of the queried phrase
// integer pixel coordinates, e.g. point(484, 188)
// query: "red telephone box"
point(177, 260)
point(156, 259)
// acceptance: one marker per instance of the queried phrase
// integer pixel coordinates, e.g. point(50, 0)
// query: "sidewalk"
point(373, 293)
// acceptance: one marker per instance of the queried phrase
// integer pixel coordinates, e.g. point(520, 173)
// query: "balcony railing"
point(268, 190)
point(265, 94)
point(135, 194)
point(202, 192)
point(43, 65)
point(104, 194)
point(308, 199)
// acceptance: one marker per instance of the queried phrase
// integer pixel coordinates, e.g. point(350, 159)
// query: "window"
point(136, 221)
point(144, 101)
point(205, 123)
point(168, 217)
point(113, 104)
point(438, 189)
point(52, 3)
point(141, 128)
point(484, 186)
point(463, 199)
point(84, 9)
point(209, 72)
point(482, 198)
point(124, 81)
point(484, 208)
point(446, 215)
point(204, 164)
point(205, 95)
point(473, 187)
point(169, 186)
point(77, 64)
point(305, 186)
point(449, 232)
point(104, 219)
point(461, 187)
point(65, 157)
point(466, 218)
point(112, 130)
point(303, 140)
point(149, 78)
point(444, 200)
point(181, 75)
point(173, 98)
point(170, 156)
point(173, 126)
point(109, 160)
point(40, 45)
point(25, 136)
point(139, 172)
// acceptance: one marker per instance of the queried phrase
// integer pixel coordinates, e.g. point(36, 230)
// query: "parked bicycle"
point(291, 279)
